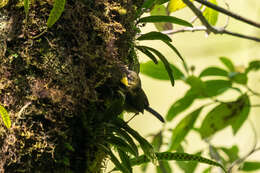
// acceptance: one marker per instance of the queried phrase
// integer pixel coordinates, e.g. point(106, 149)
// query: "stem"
point(229, 13)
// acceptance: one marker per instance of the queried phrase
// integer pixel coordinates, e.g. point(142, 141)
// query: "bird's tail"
point(156, 114)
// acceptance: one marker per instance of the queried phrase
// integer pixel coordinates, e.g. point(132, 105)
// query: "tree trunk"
point(58, 84)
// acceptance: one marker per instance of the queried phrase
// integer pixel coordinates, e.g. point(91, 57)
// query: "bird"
point(136, 100)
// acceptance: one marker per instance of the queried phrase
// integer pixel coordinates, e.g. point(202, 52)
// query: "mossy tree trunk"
point(57, 85)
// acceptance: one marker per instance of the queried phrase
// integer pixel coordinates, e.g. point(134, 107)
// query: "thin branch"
point(199, 14)
point(208, 28)
point(224, 31)
point(252, 91)
point(253, 150)
point(229, 13)
point(257, 105)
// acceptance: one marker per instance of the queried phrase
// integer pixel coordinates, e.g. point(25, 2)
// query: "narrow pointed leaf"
point(56, 12)
point(5, 116)
point(121, 144)
point(178, 54)
point(125, 160)
point(177, 157)
point(188, 167)
point(182, 129)
point(180, 105)
point(147, 53)
point(145, 145)
point(170, 19)
point(155, 36)
point(165, 62)
point(123, 134)
point(228, 63)
point(157, 141)
point(26, 7)
point(115, 161)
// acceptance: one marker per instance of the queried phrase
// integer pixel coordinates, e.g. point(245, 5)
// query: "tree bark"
point(58, 86)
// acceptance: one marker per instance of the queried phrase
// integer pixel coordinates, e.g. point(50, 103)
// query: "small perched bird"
point(136, 100)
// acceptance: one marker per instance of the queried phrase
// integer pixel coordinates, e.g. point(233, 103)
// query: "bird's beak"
point(124, 81)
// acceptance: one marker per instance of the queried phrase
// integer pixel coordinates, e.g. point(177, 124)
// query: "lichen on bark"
point(58, 86)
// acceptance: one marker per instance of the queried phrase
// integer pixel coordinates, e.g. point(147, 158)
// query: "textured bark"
point(58, 85)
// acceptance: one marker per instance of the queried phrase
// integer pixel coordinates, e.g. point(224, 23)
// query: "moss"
point(58, 86)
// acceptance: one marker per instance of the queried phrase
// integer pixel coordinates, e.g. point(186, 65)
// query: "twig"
point(203, 28)
point(208, 28)
point(252, 91)
point(229, 13)
point(23, 108)
point(199, 14)
point(254, 149)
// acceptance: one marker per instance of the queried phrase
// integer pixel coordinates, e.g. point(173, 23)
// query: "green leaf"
point(243, 113)
point(113, 129)
point(232, 153)
point(163, 37)
point(238, 77)
point(253, 66)
point(56, 12)
point(164, 167)
point(146, 147)
point(120, 144)
point(215, 87)
point(161, 10)
point(210, 14)
point(5, 116)
point(170, 19)
point(176, 5)
point(188, 167)
point(115, 161)
point(125, 160)
point(26, 4)
point(180, 105)
point(228, 63)
point(147, 53)
point(250, 166)
point(157, 141)
point(177, 157)
point(178, 53)
point(213, 71)
point(196, 84)
point(157, 71)
point(223, 115)
point(182, 129)
point(155, 36)
point(165, 62)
